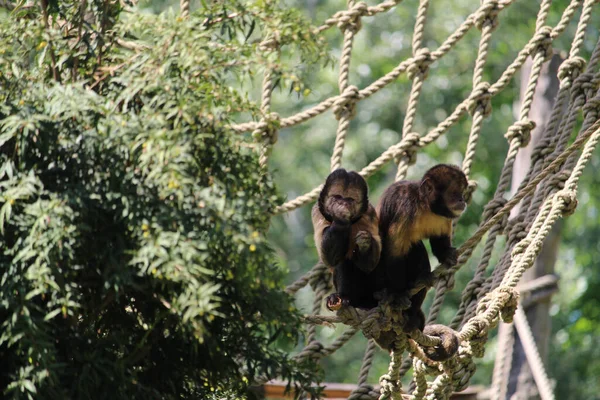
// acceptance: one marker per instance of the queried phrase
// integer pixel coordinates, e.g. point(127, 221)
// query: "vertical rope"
point(184, 8)
point(487, 21)
point(345, 109)
point(367, 362)
point(390, 382)
point(417, 72)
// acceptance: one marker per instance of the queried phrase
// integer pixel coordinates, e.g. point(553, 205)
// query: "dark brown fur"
point(347, 238)
point(409, 212)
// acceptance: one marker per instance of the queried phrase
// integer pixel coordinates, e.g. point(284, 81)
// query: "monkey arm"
point(442, 249)
point(335, 243)
point(366, 251)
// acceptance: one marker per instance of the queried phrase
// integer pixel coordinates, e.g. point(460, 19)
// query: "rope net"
point(547, 193)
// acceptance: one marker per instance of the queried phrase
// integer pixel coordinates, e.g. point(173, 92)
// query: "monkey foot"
point(334, 302)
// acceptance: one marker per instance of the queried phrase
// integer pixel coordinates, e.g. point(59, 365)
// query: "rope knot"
point(521, 131)
point(312, 350)
point(268, 128)
point(412, 140)
point(420, 65)
point(487, 16)
point(345, 104)
point(509, 297)
point(351, 19)
point(569, 70)
point(569, 200)
point(543, 41)
point(481, 99)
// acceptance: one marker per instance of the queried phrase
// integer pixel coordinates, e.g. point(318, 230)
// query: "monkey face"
point(455, 201)
point(344, 205)
point(344, 197)
point(443, 186)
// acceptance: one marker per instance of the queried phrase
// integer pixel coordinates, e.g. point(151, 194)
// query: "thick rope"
point(417, 72)
point(184, 8)
point(345, 108)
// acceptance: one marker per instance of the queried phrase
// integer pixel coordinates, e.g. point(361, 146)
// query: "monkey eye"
point(337, 197)
point(349, 199)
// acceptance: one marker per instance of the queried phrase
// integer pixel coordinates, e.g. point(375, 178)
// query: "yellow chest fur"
point(403, 235)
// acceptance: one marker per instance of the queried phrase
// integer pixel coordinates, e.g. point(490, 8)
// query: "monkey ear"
point(427, 189)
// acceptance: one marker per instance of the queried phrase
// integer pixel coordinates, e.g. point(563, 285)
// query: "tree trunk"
point(520, 383)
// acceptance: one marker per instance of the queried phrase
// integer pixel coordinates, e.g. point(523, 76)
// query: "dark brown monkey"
point(347, 238)
point(410, 211)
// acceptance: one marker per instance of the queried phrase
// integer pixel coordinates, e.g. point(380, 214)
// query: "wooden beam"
point(338, 391)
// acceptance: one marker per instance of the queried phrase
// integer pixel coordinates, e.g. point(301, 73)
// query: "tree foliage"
point(134, 262)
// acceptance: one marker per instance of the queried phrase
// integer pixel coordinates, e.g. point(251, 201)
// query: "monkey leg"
point(354, 287)
point(414, 318)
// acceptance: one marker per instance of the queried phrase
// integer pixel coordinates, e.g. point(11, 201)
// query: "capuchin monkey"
point(347, 238)
point(409, 212)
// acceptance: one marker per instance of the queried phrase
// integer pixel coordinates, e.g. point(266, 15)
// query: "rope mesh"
point(547, 192)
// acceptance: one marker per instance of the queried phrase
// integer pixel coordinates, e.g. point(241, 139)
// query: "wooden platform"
point(274, 390)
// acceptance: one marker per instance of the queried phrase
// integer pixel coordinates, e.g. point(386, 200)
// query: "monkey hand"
point(334, 302)
point(449, 257)
point(341, 215)
point(363, 241)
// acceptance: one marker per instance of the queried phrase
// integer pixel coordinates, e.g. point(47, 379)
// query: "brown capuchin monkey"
point(409, 212)
point(347, 238)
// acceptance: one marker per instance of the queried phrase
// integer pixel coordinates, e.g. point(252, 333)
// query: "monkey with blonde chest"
point(410, 212)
